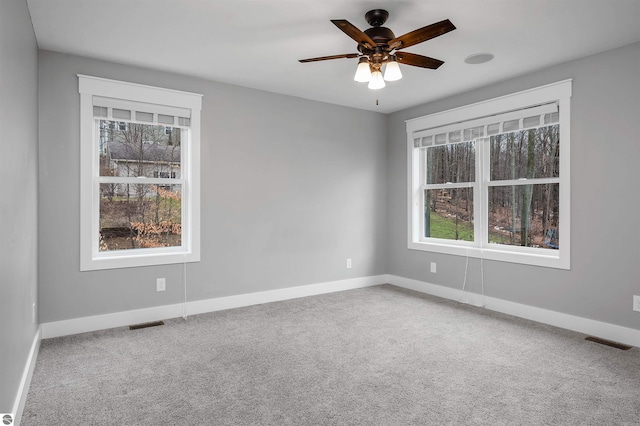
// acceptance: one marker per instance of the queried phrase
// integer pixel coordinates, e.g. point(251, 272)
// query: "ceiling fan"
point(378, 45)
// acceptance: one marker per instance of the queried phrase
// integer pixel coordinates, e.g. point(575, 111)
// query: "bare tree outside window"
point(527, 214)
point(522, 214)
point(449, 212)
point(140, 215)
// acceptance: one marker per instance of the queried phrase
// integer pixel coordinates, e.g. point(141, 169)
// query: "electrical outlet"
point(33, 312)
point(433, 267)
point(636, 303)
point(161, 284)
point(348, 263)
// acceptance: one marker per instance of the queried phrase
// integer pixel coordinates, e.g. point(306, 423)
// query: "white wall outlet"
point(161, 284)
point(433, 267)
point(348, 263)
point(636, 303)
point(33, 312)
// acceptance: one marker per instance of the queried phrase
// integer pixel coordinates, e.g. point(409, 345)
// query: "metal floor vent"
point(146, 325)
point(608, 343)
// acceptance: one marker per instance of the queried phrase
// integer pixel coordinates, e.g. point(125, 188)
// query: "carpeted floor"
point(374, 356)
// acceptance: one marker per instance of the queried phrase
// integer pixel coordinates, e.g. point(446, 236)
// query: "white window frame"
point(559, 93)
point(128, 94)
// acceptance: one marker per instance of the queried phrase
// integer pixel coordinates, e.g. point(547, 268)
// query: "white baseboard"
point(229, 302)
point(600, 329)
point(121, 319)
point(25, 381)
point(616, 333)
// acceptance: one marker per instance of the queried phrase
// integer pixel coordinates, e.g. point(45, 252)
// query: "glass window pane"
point(165, 119)
point(531, 121)
point(508, 126)
point(451, 163)
point(99, 111)
point(455, 136)
point(144, 116)
point(474, 133)
point(140, 216)
point(551, 118)
point(525, 215)
point(133, 150)
point(493, 129)
point(449, 213)
point(533, 153)
point(440, 139)
point(121, 113)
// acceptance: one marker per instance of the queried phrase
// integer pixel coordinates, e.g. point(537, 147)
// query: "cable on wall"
point(466, 266)
point(184, 281)
point(464, 282)
point(482, 304)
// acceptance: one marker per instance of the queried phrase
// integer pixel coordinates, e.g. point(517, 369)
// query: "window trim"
point(559, 92)
point(166, 99)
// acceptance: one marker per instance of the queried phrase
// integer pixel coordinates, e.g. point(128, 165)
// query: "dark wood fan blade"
point(326, 58)
point(422, 34)
point(354, 33)
point(418, 60)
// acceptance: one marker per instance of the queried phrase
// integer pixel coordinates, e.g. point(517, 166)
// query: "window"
point(491, 179)
point(140, 183)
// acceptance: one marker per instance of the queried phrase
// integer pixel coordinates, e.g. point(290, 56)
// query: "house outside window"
point(491, 180)
point(140, 184)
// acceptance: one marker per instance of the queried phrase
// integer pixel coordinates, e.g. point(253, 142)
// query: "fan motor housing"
point(376, 18)
point(381, 35)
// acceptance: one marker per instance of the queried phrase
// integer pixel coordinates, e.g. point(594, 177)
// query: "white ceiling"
point(257, 43)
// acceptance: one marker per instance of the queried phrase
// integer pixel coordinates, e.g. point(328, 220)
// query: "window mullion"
point(482, 177)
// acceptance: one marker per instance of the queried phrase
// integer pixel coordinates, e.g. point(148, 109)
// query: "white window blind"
point(527, 118)
point(116, 109)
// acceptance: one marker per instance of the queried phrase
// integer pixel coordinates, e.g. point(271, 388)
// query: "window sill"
point(131, 260)
point(527, 255)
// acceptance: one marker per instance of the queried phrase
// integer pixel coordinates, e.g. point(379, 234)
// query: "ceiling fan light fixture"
point(377, 47)
point(363, 72)
point(392, 69)
point(377, 81)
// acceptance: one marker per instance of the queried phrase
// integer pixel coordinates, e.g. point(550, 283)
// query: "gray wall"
point(19, 177)
point(605, 156)
point(290, 189)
